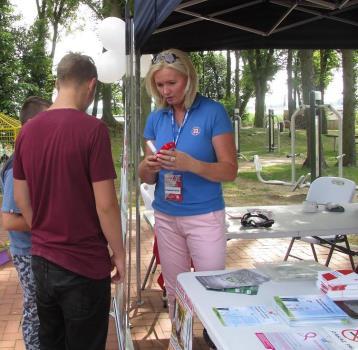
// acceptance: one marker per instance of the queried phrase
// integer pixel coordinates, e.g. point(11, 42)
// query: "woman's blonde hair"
point(182, 64)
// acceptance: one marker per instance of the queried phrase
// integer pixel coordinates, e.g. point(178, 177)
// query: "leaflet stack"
point(339, 285)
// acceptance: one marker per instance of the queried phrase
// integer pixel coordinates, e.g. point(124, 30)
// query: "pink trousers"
point(200, 238)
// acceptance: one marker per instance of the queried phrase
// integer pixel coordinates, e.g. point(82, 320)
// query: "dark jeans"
point(73, 310)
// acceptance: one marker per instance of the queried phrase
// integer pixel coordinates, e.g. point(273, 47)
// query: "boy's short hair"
point(75, 67)
point(32, 106)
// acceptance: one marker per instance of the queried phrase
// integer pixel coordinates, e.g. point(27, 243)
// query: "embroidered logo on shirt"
point(195, 131)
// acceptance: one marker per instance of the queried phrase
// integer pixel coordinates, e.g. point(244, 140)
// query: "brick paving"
point(150, 326)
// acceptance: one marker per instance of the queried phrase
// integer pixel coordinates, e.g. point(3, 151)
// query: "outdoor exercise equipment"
point(315, 137)
point(237, 129)
point(301, 182)
point(271, 131)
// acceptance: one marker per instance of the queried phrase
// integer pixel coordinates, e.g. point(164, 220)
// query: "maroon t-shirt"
point(60, 153)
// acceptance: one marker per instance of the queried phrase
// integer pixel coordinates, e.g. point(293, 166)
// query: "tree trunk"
point(228, 75)
point(217, 85)
point(107, 116)
point(306, 59)
point(262, 69)
point(54, 40)
point(297, 95)
point(323, 58)
point(349, 148)
point(97, 97)
point(202, 73)
point(260, 92)
point(244, 101)
point(290, 99)
point(237, 79)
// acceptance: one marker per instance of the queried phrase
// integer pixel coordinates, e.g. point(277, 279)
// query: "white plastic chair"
point(324, 190)
point(147, 193)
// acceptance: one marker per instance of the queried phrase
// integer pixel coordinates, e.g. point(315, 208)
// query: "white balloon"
point(145, 63)
point(111, 66)
point(111, 32)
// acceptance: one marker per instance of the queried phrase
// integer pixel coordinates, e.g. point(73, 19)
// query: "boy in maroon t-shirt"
point(64, 186)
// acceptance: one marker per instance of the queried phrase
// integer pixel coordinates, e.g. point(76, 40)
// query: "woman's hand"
point(176, 160)
point(149, 167)
point(151, 164)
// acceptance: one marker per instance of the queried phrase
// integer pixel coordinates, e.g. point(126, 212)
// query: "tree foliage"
point(211, 69)
point(324, 63)
point(26, 65)
point(60, 13)
point(213, 76)
point(11, 86)
point(263, 65)
point(37, 63)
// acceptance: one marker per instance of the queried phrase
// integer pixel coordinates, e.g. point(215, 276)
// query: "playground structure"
point(315, 136)
point(9, 129)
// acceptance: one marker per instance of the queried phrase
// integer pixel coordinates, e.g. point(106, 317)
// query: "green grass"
point(254, 141)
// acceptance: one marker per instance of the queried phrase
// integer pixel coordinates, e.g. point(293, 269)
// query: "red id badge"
point(173, 187)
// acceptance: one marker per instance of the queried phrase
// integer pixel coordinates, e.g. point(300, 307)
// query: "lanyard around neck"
point(176, 138)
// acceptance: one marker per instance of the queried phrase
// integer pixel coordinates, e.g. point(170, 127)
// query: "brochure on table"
point(182, 327)
point(326, 338)
point(302, 309)
point(339, 285)
point(257, 315)
point(233, 279)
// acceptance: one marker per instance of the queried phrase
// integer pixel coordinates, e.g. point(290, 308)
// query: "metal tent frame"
point(196, 25)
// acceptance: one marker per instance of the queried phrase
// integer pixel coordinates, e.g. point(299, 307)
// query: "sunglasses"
point(256, 220)
point(166, 57)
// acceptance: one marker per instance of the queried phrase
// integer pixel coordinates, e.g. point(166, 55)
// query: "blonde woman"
point(188, 204)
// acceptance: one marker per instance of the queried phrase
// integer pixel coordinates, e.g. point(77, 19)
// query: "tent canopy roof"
point(196, 25)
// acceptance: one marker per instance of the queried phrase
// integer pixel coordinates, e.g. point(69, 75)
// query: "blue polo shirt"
point(20, 242)
point(206, 119)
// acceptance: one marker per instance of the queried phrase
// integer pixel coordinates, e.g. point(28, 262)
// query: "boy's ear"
point(93, 84)
point(57, 85)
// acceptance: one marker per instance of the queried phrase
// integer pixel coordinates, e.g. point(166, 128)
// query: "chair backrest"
point(327, 189)
point(147, 192)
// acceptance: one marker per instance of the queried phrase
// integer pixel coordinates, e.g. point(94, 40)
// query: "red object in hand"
point(168, 146)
